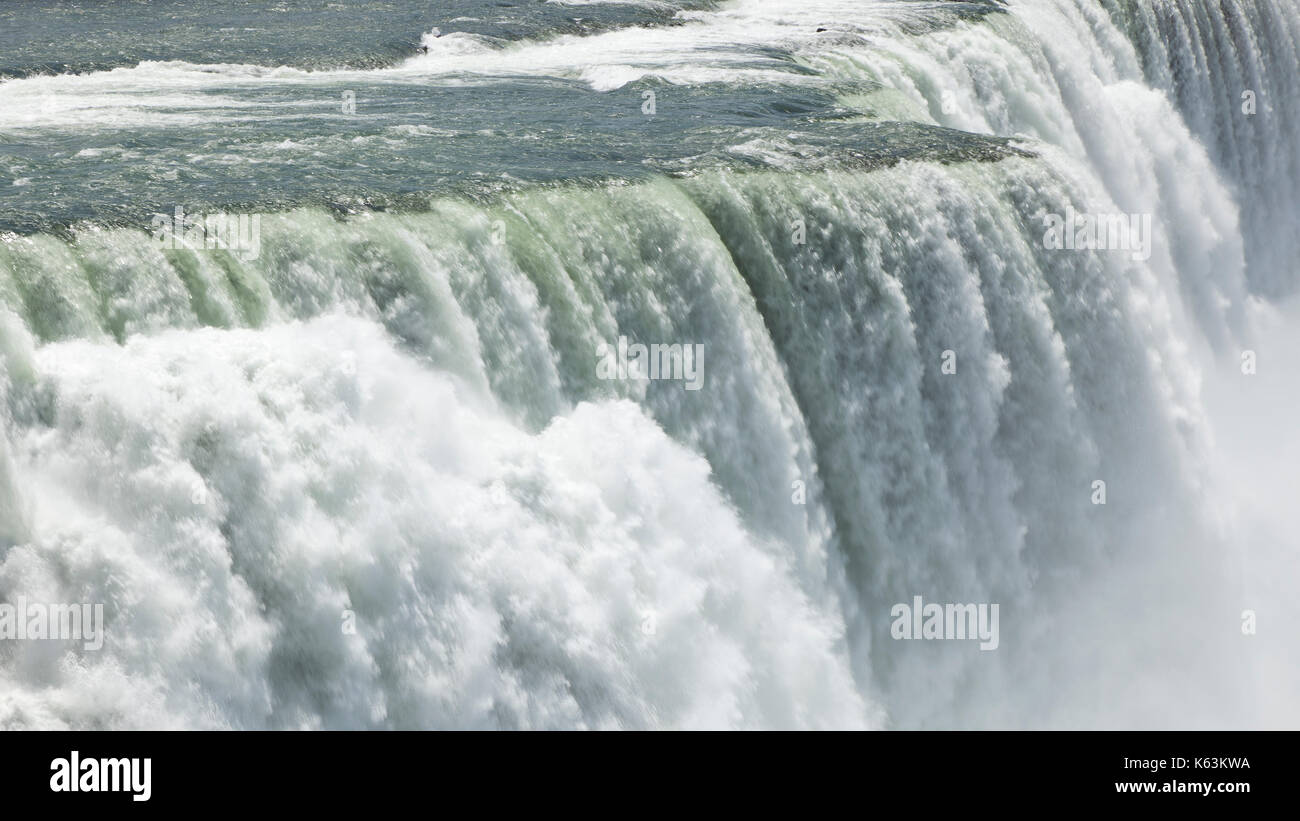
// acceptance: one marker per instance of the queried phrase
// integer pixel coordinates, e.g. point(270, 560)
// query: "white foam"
point(497, 578)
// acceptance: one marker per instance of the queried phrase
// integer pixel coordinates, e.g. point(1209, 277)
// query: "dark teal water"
point(115, 111)
point(80, 36)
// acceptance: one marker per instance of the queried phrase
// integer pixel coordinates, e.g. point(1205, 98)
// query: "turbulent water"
point(370, 475)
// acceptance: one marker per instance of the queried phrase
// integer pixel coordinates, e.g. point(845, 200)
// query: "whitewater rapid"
point(372, 479)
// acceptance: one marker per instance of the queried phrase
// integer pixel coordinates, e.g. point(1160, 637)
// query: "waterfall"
point(373, 477)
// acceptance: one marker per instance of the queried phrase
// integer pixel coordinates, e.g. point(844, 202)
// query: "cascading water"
point(373, 478)
point(1221, 68)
